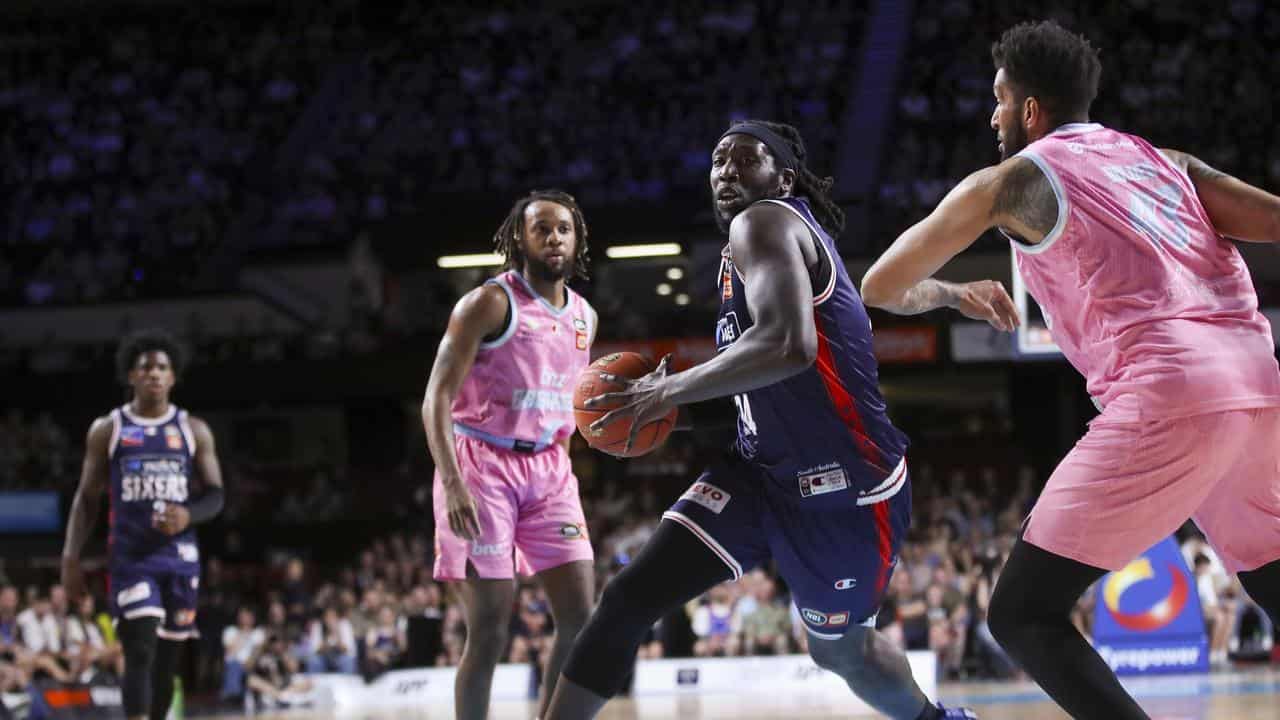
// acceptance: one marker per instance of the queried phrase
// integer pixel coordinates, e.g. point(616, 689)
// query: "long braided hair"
point(817, 189)
point(509, 240)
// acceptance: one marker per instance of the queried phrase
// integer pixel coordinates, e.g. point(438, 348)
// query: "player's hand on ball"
point(464, 519)
point(987, 300)
point(72, 578)
point(644, 400)
point(172, 520)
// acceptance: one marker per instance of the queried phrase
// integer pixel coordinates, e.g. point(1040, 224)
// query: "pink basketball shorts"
point(1126, 486)
point(530, 515)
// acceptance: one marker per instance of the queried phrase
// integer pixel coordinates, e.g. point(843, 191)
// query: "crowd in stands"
point(35, 453)
point(138, 154)
point(1169, 73)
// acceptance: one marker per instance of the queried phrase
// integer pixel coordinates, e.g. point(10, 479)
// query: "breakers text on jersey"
point(154, 478)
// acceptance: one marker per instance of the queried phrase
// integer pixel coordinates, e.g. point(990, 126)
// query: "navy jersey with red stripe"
point(822, 434)
point(151, 466)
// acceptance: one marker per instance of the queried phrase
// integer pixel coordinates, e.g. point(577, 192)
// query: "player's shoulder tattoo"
point(1024, 193)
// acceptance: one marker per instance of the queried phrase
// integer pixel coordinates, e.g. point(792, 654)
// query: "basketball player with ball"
point(498, 417)
point(817, 477)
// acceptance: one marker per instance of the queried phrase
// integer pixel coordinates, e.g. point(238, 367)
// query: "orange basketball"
point(613, 437)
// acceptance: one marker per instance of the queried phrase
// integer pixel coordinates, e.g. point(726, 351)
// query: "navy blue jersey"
point(823, 433)
point(150, 468)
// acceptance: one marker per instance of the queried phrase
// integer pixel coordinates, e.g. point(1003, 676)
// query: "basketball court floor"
point(1251, 695)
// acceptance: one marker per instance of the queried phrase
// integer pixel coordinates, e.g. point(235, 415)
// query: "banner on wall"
point(765, 678)
point(1147, 618)
point(893, 345)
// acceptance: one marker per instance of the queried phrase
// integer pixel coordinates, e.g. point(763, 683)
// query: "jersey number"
point(1145, 209)
point(744, 414)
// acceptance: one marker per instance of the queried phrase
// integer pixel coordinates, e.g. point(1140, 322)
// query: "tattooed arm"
point(1014, 195)
point(1236, 208)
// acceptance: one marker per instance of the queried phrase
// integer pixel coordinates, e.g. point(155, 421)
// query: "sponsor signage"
point(1147, 618)
point(29, 512)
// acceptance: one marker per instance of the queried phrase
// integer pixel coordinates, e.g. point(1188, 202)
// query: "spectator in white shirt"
point(239, 643)
point(333, 644)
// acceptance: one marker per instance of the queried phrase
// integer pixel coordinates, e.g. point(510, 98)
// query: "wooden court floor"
point(1253, 695)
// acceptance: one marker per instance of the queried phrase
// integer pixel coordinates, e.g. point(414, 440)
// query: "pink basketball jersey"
point(1142, 294)
point(519, 393)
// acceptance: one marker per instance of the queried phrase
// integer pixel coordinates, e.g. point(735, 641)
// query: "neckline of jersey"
point(552, 308)
point(149, 422)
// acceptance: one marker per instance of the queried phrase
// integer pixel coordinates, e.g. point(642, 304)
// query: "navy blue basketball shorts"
point(837, 562)
point(166, 594)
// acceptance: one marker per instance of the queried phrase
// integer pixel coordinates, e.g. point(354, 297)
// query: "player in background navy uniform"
point(146, 454)
point(817, 478)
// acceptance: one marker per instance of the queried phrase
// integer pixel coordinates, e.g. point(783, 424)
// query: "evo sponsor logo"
point(708, 496)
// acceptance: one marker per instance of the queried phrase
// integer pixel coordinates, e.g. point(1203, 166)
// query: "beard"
point(1015, 140)
point(544, 272)
point(724, 218)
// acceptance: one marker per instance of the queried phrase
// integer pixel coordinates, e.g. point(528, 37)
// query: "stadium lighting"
point(674, 273)
point(682, 299)
point(664, 289)
point(624, 252)
point(466, 261)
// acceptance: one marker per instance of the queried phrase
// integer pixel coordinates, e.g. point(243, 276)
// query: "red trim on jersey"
point(884, 541)
point(841, 401)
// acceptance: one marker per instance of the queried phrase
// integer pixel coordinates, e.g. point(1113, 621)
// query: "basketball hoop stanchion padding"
point(1033, 337)
point(1147, 617)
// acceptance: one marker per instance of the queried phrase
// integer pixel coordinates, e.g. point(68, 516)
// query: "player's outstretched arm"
point(478, 314)
point(88, 499)
point(901, 280)
point(1236, 208)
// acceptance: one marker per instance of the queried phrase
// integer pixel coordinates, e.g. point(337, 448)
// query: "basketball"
point(613, 438)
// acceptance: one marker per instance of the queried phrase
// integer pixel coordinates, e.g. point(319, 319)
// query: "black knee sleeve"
point(1035, 586)
point(138, 639)
point(673, 568)
point(165, 667)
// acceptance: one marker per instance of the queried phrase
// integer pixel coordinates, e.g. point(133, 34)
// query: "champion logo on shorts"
point(846, 583)
point(708, 496)
point(133, 594)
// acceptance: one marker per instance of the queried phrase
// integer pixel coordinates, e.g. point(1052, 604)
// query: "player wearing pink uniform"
point(1124, 246)
point(498, 415)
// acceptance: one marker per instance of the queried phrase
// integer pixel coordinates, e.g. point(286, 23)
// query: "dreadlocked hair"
point(509, 240)
point(817, 189)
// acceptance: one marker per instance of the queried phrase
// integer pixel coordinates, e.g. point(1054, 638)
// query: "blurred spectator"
point(385, 643)
point(713, 623)
point(765, 626)
point(274, 680)
point(332, 644)
point(239, 642)
point(85, 642)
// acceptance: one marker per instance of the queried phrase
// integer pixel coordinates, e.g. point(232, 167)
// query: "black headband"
point(780, 148)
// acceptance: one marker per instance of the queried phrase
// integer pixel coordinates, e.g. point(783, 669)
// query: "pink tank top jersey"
point(1142, 294)
point(519, 393)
